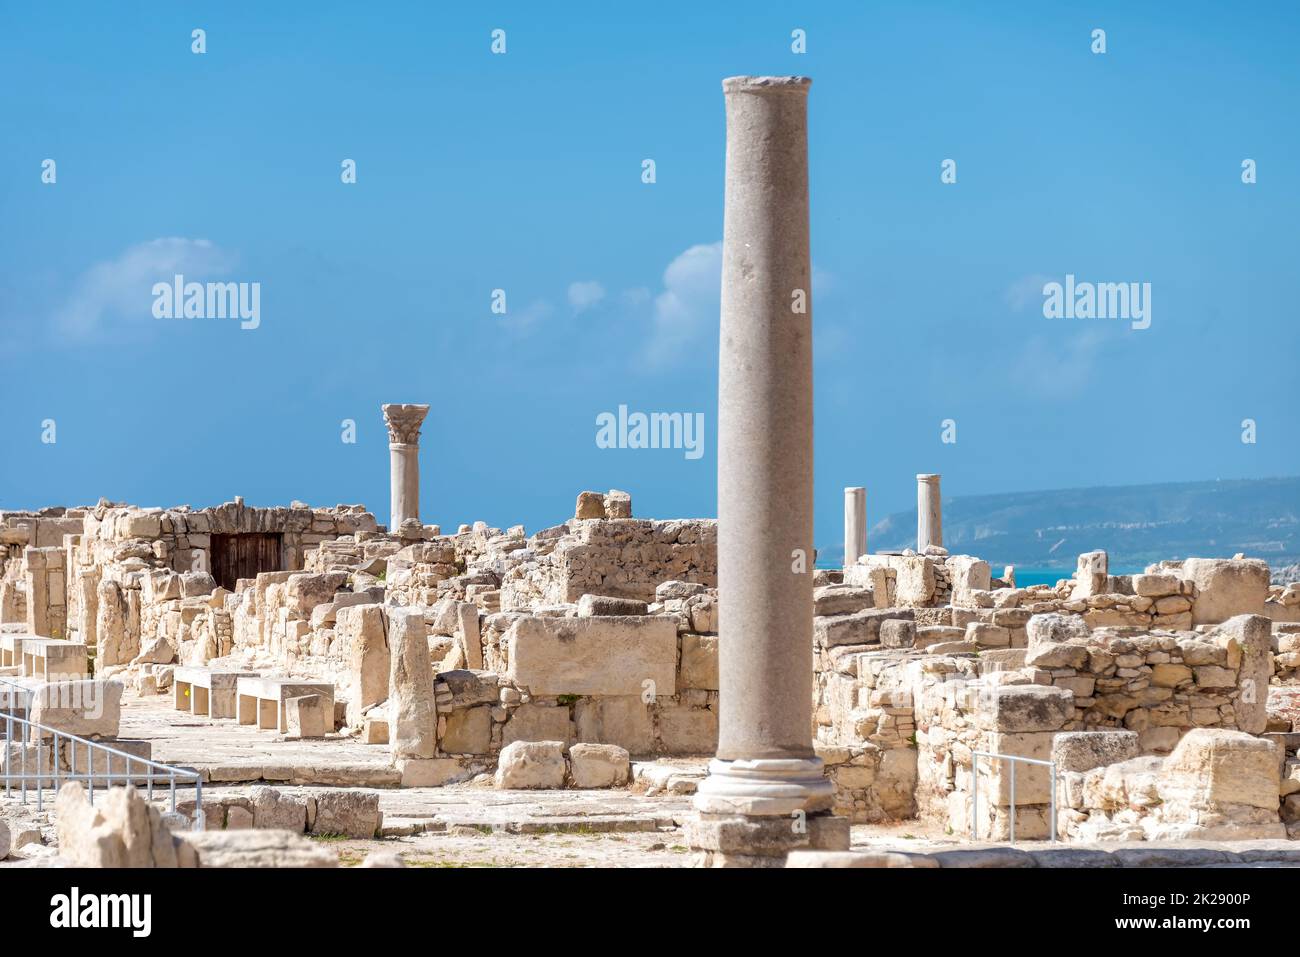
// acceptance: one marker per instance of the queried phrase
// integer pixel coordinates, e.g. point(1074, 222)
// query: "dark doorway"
point(243, 556)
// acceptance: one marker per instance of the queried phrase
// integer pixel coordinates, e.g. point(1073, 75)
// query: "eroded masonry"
point(586, 655)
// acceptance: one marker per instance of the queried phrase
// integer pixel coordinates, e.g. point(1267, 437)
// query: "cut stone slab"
point(1021, 708)
point(305, 717)
point(593, 656)
point(1085, 750)
point(88, 708)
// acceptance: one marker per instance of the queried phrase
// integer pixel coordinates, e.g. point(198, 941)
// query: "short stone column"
point(47, 595)
point(404, 423)
point(929, 519)
point(766, 785)
point(855, 524)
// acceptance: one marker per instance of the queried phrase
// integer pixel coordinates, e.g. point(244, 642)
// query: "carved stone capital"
point(404, 423)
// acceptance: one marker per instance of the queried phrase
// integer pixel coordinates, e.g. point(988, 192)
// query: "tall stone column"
point(929, 520)
point(766, 784)
point(855, 524)
point(404, 423)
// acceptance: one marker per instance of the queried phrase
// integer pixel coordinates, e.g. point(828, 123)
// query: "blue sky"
point(523, 172)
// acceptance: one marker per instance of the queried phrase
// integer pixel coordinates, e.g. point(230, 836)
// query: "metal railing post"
point(1014, 759)
point(1013, 802)
point(1053, 809)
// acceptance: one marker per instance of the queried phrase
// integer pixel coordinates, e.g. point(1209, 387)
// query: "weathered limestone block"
point(253, 848)
point(860, 628)
point(624, 720)
point(666, 591)
point(1033, 781)
point(700, 662)
point(327, 613)
point(413, 717)
point(305, 716)
point(195, 583)
point(599, 765)
point(590, 505)
point(898, 633)
point(364, 635)
point(469, 731)
point(968, 574)
point(987, 635)
point(1081, 751)
point(536, 722)
point(1213, 768)
point(929, 635)
point(88, 708)
point(468, 633)
point(116, 646)
point(618, 504)
point(1226, 587)
point(593, 656)
point(120, 830)
point(1248, 640)
point(276, 810)
point(842, 600)
point(304, 591)
point(1021, 708)
point(350, 813)
point(1049, 654)
point(603, 605)
point(531, 764)
point(1055, 627)
point(686, 730)
point(1125, 784)
point(915, 581)
point(1091, 576)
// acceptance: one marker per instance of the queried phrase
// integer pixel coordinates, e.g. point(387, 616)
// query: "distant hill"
point(1135, 524)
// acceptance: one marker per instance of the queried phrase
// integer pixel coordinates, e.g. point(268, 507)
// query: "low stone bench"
point(51, 658)
point(261, 700)
point(11, 649)
point(205, 691)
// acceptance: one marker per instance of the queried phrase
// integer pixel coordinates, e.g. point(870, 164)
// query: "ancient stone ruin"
point(244, 685)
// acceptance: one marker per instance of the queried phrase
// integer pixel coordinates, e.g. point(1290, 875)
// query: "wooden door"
point(244, 556)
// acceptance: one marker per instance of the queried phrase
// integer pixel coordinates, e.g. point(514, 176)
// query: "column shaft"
point(855, 524)
point(929, 519)
point(765, 418)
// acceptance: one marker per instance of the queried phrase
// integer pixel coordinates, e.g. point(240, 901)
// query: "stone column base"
point(735, 841)
point(754, 813)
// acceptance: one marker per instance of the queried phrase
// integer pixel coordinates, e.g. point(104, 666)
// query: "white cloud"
point(690, 301)
point(522, 320)
point(1059, 366)
point(584, 295)
point(121, 287)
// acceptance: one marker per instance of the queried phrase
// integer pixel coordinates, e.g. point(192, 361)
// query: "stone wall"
point(623, 558)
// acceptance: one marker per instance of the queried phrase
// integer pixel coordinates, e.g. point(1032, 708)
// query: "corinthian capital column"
point(404, 462)
point(766, 782)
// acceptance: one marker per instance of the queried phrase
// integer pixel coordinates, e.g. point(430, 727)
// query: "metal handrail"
point(975, 789)
point(167, 774)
